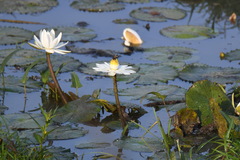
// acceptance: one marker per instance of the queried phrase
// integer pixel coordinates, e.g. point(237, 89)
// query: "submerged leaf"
point(188, 32)
point(157, 14)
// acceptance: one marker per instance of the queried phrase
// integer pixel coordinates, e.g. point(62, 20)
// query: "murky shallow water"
point(101, 23)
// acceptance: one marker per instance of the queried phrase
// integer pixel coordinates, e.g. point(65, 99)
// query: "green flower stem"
point(119, 108)
point(54, 78)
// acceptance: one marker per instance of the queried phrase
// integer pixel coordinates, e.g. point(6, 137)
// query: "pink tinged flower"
point(48, 42)
point(131, 37)
point(112, 71)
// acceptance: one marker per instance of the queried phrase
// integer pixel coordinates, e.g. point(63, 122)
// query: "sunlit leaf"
point(188, 32)
point(157, 14)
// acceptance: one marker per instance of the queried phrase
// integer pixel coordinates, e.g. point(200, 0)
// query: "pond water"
point(208, 51)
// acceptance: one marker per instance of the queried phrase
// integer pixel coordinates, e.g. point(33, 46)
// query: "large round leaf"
point(232, 55)
point(157, 14)
point(14, 84)
point(139, 144)
point(26, 6)
point(173, 93)
point(96, 6)
point(195, 72)
point(199, 96)
point(74, 33)
point(80, 110)
point(25, 57)
point(188, 32)
point(165, 54)
point(13, 35)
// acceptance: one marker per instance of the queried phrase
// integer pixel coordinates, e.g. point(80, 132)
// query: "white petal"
point(35, 46)
point(57, 40)
point(61, 51)
point(61, 44)
point(132, 36)
point(37, 42)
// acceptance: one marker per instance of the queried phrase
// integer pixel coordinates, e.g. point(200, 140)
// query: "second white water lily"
point(48, 42)
point(114, 68)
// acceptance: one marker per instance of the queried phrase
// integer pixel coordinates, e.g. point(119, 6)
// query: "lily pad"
point(27, 6)
point(165, 54)
point(25, 57)
point(21, 121)
point(157, 14)
point(139, 144)
point(132, 1)
point(92, 145)
point(13, 84)
point(171, 91)
point(195, 72)
point(232, 55)
point(200, 96)
point(61, 153)
point(96, 6)
point(78, 111)
point(14, 35)
point(92, 51)
point(74, 34)
point(125, 21)
point(152, 74)
point(188, 32)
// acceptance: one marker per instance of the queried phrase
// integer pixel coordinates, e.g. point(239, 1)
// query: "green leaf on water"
point(199, 97)
point(96, 6)
point(139, 144)
point(74, 34)
point(196, 71)
point(14, 35)
point(157, 14)
point(232, 55)
point(26, 6)
point(188, 32)
point(92, 145)
point(75, 81)
point(6, 59)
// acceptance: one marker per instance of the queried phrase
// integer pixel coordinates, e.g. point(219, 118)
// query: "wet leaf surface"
point(139, 144)
point(157, 14)
point(92, 145)
point(125, 21)
point(74, 34)
point(26, 6)
point(25, 57)
point(14, 35)
point(96, 6)
point(196, 71)
point(188, 32)
point(232, 55)
point(13, 84)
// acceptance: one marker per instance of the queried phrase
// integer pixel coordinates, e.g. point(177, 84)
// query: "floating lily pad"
point(14, 35)
point(157, 14)
point(172, 92)
point(74, 34)
point(132, 1)
point(232, 55)
point(139, 144)
point(125, 21)
point(195, 72)
point(25, 57)
point(92, 145)
point(152, 74)
point(26, 6)
point(164, 54)
point(92, 51)
point(199, 98)
point(13, 84)
point(2, 108)
point(96, 6)
point(61, 153)
point(80, 110)
point(188, 32)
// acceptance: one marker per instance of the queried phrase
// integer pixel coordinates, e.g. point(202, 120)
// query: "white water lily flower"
point(114, 68)
point(131, 37)
point(48, 42)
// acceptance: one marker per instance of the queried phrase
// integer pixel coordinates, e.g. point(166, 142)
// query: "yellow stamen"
point(114, 64)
